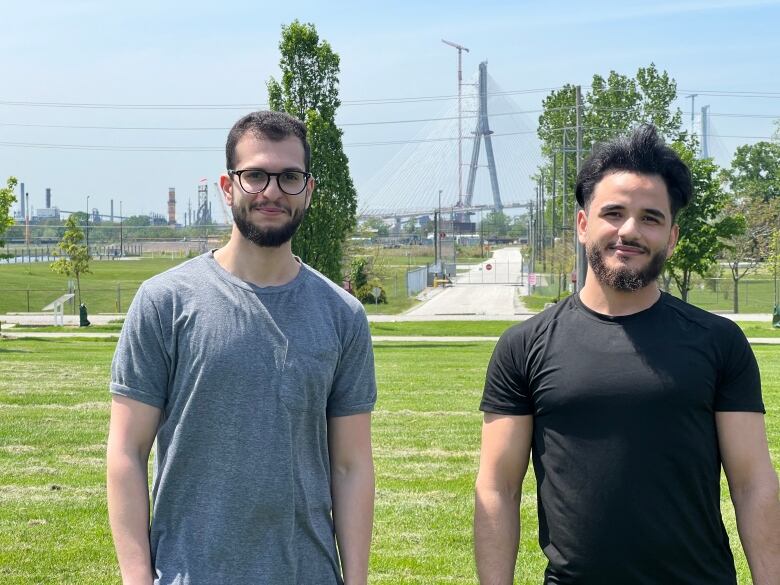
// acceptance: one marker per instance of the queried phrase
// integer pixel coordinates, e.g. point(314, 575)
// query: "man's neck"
point(606, 300)
point(261, 266)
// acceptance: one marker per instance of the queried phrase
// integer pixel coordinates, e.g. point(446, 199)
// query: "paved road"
point(489, 289)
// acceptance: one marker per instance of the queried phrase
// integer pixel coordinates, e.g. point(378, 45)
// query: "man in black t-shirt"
point(630, 401)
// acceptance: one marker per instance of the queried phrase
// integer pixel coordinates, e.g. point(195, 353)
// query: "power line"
point(224, 129)
point(346, 145)
point(370, 101)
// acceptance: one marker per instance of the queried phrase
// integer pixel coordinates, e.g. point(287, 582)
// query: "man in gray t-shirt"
point(255, 375)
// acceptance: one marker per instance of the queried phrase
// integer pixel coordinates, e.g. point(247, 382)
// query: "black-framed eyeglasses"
point(257, 180)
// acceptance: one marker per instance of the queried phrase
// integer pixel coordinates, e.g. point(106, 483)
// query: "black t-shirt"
point(624, 444)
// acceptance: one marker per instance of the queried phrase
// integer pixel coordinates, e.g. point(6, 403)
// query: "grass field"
point(108, 289)
point(54, 411)
point(405, 328)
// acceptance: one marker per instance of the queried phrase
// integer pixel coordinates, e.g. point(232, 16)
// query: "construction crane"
point(227, 216)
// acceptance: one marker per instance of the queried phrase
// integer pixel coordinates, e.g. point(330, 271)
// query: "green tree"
point(73, 256)
point(308, 89)
point(755, 171)
point(7, 199)
point(746, 250)
point(704, 229)
point(495, 223)
point(377, 225)
point(613, 105)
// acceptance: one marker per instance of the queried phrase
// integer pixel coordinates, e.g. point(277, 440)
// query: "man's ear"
point(309, 190)
point(673, 237)
point(226, 185)
point(582, 225)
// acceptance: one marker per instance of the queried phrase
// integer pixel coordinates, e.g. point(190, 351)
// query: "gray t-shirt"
point(246, 378)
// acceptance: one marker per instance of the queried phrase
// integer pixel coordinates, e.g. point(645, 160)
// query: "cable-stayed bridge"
point(500, 154)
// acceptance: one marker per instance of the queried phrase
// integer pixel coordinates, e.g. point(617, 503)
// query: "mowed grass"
point(54, 409)
point(109, 288)
point(496, 328)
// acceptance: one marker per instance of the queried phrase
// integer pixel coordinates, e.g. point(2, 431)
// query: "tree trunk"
point(78, 287)
point(736, 295)
point(686, 285)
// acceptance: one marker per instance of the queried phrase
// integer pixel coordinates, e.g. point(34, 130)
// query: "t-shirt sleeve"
point(354, 383)
point(141, 365)
point(506, 387)
point(739, 382)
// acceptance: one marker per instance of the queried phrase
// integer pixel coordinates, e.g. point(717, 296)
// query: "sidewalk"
point(13, 333)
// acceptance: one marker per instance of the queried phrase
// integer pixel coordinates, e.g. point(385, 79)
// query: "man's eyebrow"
point(617, 207)
point(655, 213)
point(611, 207)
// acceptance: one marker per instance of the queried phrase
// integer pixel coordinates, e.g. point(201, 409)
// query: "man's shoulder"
point(535, 326)
point(696, 315)
point(175, 280)
point(329, 292)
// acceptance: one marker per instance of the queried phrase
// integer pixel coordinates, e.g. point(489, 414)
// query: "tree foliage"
point(308, 89)
point(755, 171)
point(704, 228)
point(7, 199)
point(746, 250)
point(611, 106)
point(73, 256)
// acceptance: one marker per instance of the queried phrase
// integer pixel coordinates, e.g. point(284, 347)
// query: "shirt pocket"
point(307, 378)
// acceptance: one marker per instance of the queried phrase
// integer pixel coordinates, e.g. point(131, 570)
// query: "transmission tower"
point(483, 130)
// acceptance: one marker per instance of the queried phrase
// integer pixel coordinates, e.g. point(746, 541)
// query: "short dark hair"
point(642, 152)
point(275, 126)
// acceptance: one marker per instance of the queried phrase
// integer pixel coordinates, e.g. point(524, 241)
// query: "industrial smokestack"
point(21, 201)
point(48, 197)
point(112, 211)
point(171, 205)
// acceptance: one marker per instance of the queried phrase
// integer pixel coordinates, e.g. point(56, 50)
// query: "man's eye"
point(254, 176)
point(291, 176)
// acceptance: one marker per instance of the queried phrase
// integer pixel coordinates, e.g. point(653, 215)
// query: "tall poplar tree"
point(308, 89)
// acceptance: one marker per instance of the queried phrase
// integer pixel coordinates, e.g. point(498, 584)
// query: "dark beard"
point(266, 237)
point(624, 278)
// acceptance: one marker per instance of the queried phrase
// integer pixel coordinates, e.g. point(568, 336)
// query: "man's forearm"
point(758, 522)
point(353, 517)
point(496, 535)
point(128, 511)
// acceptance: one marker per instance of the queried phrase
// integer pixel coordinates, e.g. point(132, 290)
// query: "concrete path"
point(488, 290)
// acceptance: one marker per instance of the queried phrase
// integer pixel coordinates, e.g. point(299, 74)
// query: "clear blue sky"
point(222, 53)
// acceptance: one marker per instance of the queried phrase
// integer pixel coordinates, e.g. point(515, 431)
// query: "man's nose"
point(629, 230)
point(272, 192)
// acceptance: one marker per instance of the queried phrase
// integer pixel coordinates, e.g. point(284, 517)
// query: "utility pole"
point(581, 261)
point(460, 49)
point(532, 227)
point(565, 186)
point(87, 224)
point(121, 237)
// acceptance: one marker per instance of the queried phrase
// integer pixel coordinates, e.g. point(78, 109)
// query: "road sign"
point(532, 279)
point(488, 266)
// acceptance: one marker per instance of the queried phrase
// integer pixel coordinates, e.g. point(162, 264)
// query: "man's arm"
point(130, 438)
point(352, 486)
point(506, 447)
point(754, 491)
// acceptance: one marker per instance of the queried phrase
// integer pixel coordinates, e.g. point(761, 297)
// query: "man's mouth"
point(269, 209)
point(629, 249)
